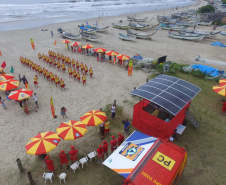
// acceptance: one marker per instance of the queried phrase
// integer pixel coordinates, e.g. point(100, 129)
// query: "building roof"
point(168, 92)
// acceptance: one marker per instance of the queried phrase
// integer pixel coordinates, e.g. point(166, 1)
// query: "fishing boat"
point(172, 27)
point(90, 37)
point(223, 33)
point(136, 19)
point(141, 35)
point(83, 29)
point(98, 29)
point(70, 36)
point(120, 26)
point(139, 26)
point(126, 37)
point(210, 35)
point(205, 23)
point(187, 37)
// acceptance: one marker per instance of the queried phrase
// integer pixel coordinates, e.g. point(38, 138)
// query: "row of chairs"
point(74, 166)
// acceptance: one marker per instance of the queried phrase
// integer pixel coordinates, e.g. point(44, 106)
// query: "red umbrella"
point(112, 53)
point(65, 41)
point(20, 94)
point(99, 50)
point(9, 84)
point(123, 57)
point(6, 77)
point(76, 44)
point(87, 46)
point(222, 82)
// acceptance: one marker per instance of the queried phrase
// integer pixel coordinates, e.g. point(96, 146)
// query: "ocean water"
point(20, 14)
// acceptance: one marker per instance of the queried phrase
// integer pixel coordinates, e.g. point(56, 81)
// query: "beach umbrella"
point(93, 118)
point(220, 90)
point(65, 41)
point(6, 77)
point(71, 130)
point(76, 43)
point(42, 143)
point(9, 84)
point(112, 53)
point(100, 50)
point(222, 82)
point(87, 46)
point(20, 94)
point(123, 57)
point(1, 69)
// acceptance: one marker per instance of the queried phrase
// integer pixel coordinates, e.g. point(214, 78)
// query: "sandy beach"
point(108, 84)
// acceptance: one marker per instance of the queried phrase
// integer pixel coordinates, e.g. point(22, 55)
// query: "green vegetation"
point(206, 9)
point(223, 1)
point(218, 23)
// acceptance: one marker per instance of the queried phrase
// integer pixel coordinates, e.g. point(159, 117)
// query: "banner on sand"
point(3, 65)
point(55, 42)
point(52, 107)
point(0, 53)
point(130, 68)
point(32, 44)
point(26, 86)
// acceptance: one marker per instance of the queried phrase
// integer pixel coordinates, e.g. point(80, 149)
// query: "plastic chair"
point(75, 166)
point(62, 176)
point(84, 160)
point(48, 176)
point(92, 155)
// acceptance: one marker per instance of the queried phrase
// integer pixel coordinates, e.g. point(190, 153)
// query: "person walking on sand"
point(49, 164)
point(73, 154)
point(56, 80)
point(113, 111)
point(86, 69)
point(74, 74)
point(2, 102)
point(24, 79)
point(78, 77)
point(35, 99)
point(77, 65)
point(36, 81)
point(63, 112)
point(52, 33)
point(63, 159)
point(62, 84)
point(91, 72)
point(70, 71)
point(84, 79)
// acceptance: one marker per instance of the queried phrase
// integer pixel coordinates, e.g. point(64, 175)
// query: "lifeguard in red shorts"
point(63, 67)
point(105, 147)
point(74, 74)
point(69, 61)
point(77, 65)
point(86, 69)
point(73, 63)
point(70, 72)
point(36, 81)
point(57, 80)
point(62, 58)
point(63, 159)
point(58, 65)
point(47, 75)
point(66, 60)
point(73, 154)
point(62, 84)
point(120, 139)
point(49, 164)
point(39, 56)
point(91, 72)
point(84, 79)
point(100, 153)
point(78, 77)
point(52, 78)
point(113, 144)
point(82, 66)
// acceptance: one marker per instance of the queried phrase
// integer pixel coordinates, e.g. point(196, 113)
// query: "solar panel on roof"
point(168, 92)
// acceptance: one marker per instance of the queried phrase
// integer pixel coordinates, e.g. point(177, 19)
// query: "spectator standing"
point(35, 98)
point(63, 112)
point(102, 130)
point(24, 79)
point(52, 33)
point(113, 111)
point(126, 126)
point(2, 102)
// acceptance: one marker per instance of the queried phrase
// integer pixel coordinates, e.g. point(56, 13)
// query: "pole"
point(115, 102)
point(19, 164)
point(30, 178)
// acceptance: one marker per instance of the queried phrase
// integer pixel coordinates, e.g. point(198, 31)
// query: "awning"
point(168, 92)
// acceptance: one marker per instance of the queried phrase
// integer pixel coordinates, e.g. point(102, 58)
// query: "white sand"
point(109, 83)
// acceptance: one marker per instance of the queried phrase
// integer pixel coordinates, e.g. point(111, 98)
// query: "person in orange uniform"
point(63, 67)
point(73, 63)
point(105, 147)
point(52, 79)
point(86, 69)
point(36, 81)
point(78, 77)
point(84, 79)
point(74, 74)
point(57, 80)
point(91, 72)
point(58, 65)
point(63, 159)
point(73, 154)
point(70, 72)
point(49, 164)
point(113, 144)
point(82, 67)
point(62, 84)
point(77, 65)
point(100, 153)
point(120, 139)
point(47, 74)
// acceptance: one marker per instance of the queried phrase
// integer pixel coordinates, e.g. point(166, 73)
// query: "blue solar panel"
point(168, 92)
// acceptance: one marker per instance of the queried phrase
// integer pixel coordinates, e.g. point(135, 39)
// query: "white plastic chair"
point(84, 160)
point(62, 176)
point(75, 166)
point(92, 155)
point(48, 176)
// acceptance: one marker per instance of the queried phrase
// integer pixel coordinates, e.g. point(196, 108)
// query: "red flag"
point(0, 53)
point(3, 64)
point(55, 42)
point(52, 107)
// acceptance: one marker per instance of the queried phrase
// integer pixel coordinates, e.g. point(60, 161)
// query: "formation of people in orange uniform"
point(59, 82)
point(60, 62)
point(102, 150)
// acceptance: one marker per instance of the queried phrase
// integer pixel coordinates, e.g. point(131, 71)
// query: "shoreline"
point(36, 23)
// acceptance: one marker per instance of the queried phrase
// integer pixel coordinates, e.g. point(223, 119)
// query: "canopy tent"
point(123, 164)
point(170, 95)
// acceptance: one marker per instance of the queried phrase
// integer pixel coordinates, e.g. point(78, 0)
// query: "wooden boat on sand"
point(141, 35)
point(120, 26)
point(126, 37)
